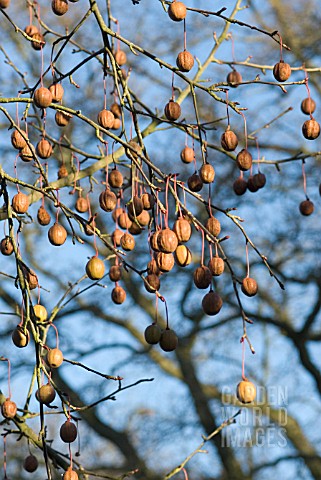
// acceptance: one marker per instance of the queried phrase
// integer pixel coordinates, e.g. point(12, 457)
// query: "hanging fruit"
point(246, 391)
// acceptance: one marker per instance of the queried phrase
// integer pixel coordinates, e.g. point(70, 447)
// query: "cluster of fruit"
point(143, 211)
point(45, 395)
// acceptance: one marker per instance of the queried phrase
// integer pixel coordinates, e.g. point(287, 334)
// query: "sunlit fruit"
point(177, 11)
point(8, 409)
point(46, 394)
point(57, 234)
point(281, 71)
point(40, 312)
point(249, 286)
point(42, 97)
point(95, 268)
point(55, 358)
point(246, 391)
point(20, 202)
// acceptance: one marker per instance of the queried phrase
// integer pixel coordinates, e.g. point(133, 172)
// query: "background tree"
point(154, 425)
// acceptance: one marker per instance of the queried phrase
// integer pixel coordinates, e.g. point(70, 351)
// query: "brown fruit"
point(135, 207)
point(207, 173)
point(30, 463)
point(124, 221)
point(306, 207)
point(62, 118)
point(55, 358)
point(31, 277)
point(234, 78)
point(38, 41)
point(148, 201)
point(244, 160)
point(62, 172)
point(143, 218)
point(6, 246)
point(167, 241)
point(212, 303)
point(213, 226)
point(135, 229)
point(127, 242)
point(105, 118)
point(115, 108)
point(121, 57)
point(152, 267)
point(281, 71)
point(43, 216)
point(17, 140)
point(19, 337)
point(57, 234)
point(8, 409)
point(57, 92)
point(153, 334)
point(229, 140)
point(172, 110)
point(82, 205)
point(115, 273)
point(118, 295)
point(90, 226)
point(216, 266)
point(135, 150)
point(177, 11)
point(152, 283)
point(187, 155)
point(44, 148)
point(70, 474)
point(165, 261)
point(115, 178)
point(95, 268)
point(107, 200)
point(20, 202)
point(240, 186)
point(259, 180)
point(246, 391)
point(185, 61)
point(249, 286)
point(252, 185)
point(195, 183)
point(59, 7)
point(46, 394)
point(42, 97)
point(116, 213)
point(116, 124)
point(4, 3)
point(26, 154)
point(183, 256)
point(31, 30)
point(202, 277)
point(182, 229)
point(68, 432)
point(308, 106)
point(311, 129)
point(116, 236)
point(153, 241)
point(41, 313)
point(168, 341)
